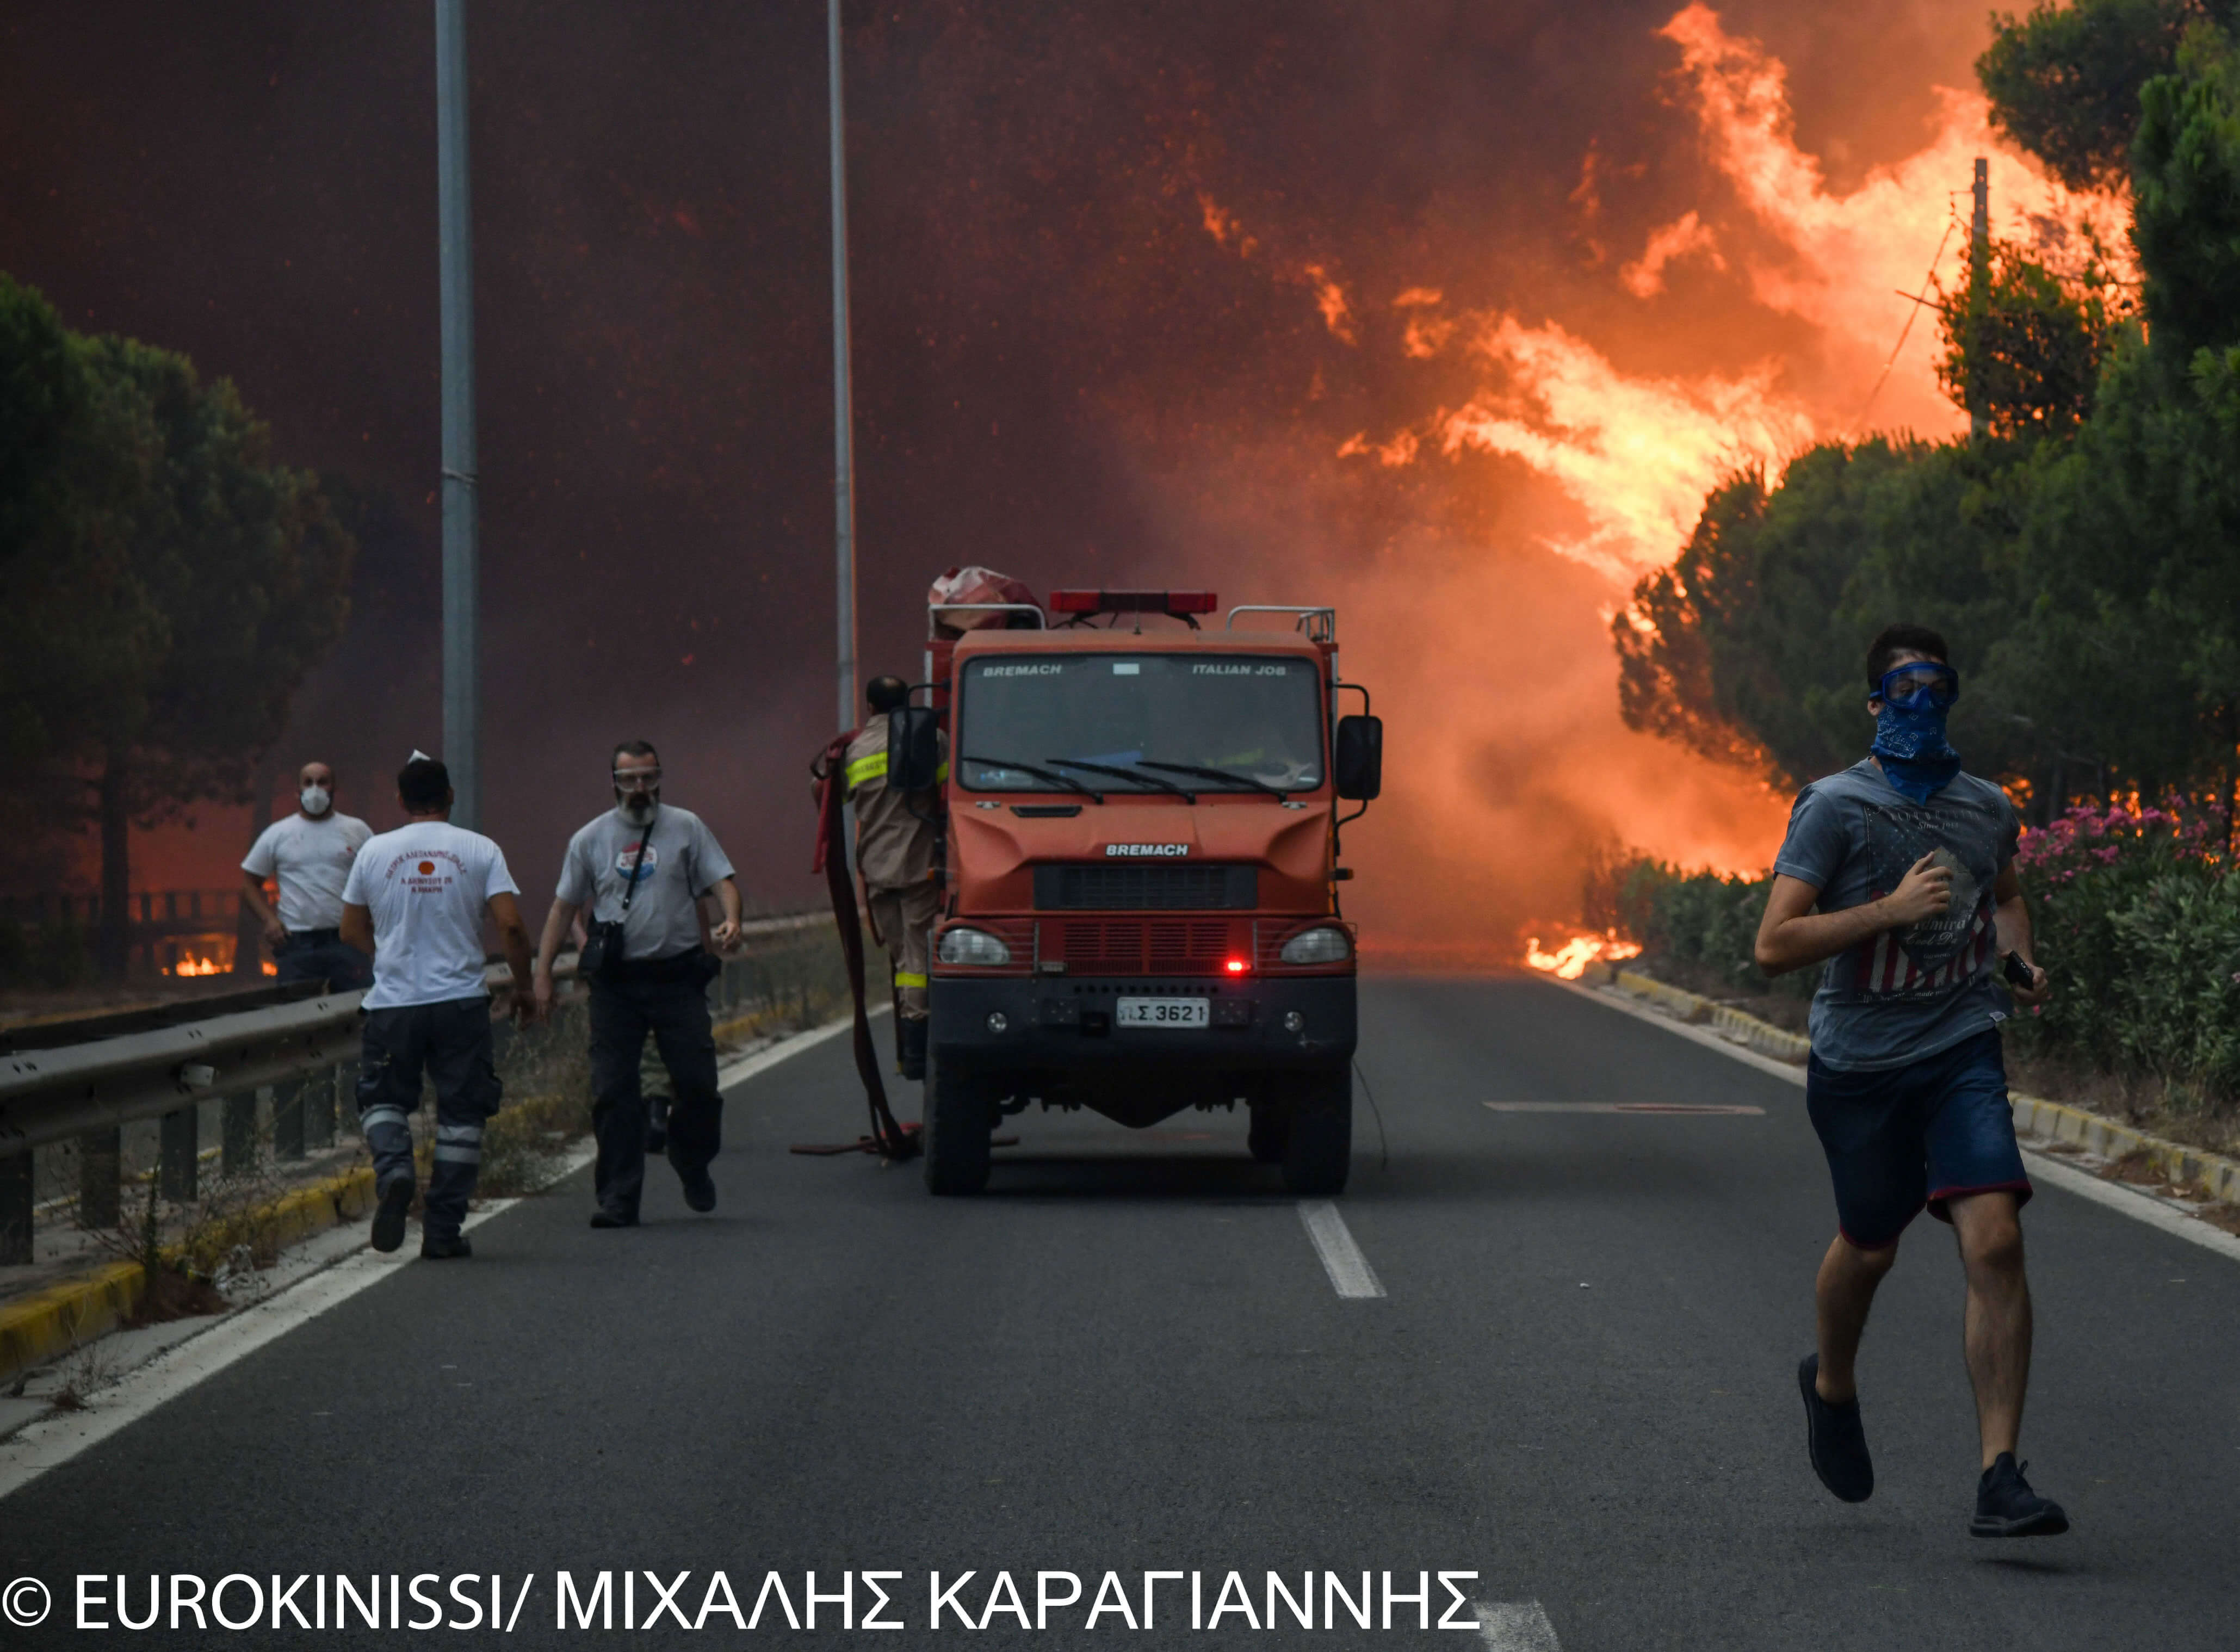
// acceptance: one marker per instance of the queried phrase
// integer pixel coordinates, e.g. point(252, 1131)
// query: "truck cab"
point(1141, 907)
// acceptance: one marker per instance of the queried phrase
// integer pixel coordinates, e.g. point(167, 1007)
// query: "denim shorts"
point(1905, 1137)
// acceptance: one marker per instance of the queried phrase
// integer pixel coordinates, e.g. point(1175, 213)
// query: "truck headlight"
point(1324, 945)
point(972, 947)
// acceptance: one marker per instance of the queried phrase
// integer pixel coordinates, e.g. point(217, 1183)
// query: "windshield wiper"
point(1218, 773)
point(1066, 781)
point(1118, 773)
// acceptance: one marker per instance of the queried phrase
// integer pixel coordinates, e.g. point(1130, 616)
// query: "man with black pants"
point(415, 900)
point(643, 869)
point(308, 854)
point(1911, 864)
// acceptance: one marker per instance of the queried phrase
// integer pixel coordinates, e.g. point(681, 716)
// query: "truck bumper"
point(1067, 1025)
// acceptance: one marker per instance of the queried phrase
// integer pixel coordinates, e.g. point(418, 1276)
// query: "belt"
point(313, 938)
point(680, 966)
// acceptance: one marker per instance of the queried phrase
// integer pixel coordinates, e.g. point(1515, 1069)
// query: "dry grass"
point(529, 1132)
point(172, 1295)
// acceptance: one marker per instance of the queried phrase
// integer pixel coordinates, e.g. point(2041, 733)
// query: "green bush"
point(1708, 919)
point(2135, 917)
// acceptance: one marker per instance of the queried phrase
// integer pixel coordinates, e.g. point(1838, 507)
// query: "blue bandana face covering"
point(1910, 730)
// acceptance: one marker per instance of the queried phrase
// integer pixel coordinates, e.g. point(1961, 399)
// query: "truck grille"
point(1138, 946)
point(1100, 888)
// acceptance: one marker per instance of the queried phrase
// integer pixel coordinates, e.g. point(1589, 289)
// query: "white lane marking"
point(1348, 1270)
point(2048, 1166)
point(1681, 1109)
point(55, 1439)
point(1516, 1626)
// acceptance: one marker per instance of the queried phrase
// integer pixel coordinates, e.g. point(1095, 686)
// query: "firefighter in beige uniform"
point(894, 852)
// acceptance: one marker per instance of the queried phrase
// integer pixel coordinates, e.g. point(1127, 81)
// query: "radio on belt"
point(1140, 858)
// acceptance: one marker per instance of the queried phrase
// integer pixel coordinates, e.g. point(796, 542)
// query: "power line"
point(1919, 301)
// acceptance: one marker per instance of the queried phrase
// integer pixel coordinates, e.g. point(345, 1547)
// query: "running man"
point(1898, 874)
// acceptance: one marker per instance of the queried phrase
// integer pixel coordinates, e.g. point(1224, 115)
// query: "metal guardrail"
point(86, 1091)
point(51, 1095)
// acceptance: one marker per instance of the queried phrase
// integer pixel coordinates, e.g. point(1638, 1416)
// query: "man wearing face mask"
point(1920, 920)
point(308, 854)
point(643, 869)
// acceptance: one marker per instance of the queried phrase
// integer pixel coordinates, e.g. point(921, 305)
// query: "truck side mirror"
point(1358, 759)
point(913, 747)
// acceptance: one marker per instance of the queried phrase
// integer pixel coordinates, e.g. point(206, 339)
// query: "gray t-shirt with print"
point(683, 864)
point(1902, 994)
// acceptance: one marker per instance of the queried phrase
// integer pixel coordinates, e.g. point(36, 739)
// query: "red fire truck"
point(1141, 858)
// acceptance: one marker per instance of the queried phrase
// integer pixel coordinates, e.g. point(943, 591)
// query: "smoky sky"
point(1045, 331)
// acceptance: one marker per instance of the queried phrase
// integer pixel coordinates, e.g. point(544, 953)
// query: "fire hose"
point(889, 1139)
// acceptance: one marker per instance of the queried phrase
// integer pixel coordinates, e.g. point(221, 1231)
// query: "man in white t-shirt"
point(415, 899)
point(308, 854)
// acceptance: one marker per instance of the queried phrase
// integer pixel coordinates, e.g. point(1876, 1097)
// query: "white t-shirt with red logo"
point(427, 886)
point(309, 860)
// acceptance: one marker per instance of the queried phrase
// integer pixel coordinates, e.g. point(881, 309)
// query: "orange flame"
point(195, 966)
point(1636, 453)
point(1570, 961)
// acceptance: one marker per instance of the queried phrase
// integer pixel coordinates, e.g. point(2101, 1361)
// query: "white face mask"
point(316, 799)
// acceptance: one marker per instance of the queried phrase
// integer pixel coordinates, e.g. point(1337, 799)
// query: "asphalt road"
point(1128, 1357)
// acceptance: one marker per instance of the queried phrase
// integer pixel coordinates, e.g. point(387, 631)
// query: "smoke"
point(1446, 313)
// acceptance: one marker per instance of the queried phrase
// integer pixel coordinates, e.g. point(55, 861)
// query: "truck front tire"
point(1319, 1146)
point(959, 1121)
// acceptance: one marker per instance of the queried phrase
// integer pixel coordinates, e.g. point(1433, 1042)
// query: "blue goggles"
point(1906, 685)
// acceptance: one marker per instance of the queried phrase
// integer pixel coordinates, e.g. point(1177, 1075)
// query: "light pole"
point(462, 668)
point(1979, 284)
point(843, 474)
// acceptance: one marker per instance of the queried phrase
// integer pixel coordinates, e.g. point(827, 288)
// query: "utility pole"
point(1979, 279)
point(455, 220)
point(843, 410)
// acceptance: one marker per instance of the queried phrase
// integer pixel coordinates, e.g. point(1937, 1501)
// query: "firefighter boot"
point(913, 1030)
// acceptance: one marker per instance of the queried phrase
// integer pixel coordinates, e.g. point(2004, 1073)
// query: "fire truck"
point(1141, 871)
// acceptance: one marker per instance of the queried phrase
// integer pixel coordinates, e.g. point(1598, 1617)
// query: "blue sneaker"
point(1835, 1438)
point(2006, 1507)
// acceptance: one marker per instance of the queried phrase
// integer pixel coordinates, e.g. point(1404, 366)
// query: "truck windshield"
point(1251, 714)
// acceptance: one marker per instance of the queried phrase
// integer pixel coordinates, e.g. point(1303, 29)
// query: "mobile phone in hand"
point(2017, 972)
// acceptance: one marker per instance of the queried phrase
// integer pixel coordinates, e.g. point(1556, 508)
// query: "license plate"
point(1162, 1012)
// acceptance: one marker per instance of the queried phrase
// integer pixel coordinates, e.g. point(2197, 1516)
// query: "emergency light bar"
point(1179, 604)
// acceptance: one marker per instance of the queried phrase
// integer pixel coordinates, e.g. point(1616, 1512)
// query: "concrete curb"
point(75, 1311)
point(1761, 1036)
point(57, 1319)
point(2217, 1176)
